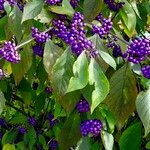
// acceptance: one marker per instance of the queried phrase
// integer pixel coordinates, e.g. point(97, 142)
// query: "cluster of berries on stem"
point(9, 52)
point(105, 27)
point(92, 126)
point(114, 6)
point(83, 106)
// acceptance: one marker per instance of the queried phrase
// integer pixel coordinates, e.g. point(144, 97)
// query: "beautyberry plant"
point(74, 74)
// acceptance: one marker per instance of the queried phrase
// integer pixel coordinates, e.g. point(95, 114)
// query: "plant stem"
point(122, 40)
point(17, 109)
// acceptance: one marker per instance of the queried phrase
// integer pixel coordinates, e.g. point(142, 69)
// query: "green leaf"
point(65, 9)
point(3, 22)
point(92, 8)
point(42, 141)
point(9, 147)
point(2, 102)
point(83, 144)
point(69, 100)
point(108, 59)
point(44, 16)
point(24, 65)
point(41, 72)
point(99, 45)
point(40, 102)
point(127, 14)
point(62, 72)
point(122, 95)
point(30, 138)
point(66, 4)
point(9, 137)
point(108, 140)
point(7, 7)
point(25, 91)
point(131, 138)
point(18, 119)
point(21, 146)
point(51, 53)
point(80, 71)
point(32, 9)
point(70, 133)
point(14, 22)
point(142, 106)
point(97, 78)
point(147, 145)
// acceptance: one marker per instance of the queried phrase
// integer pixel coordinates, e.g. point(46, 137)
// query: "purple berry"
point(2, 122)
point(53, 144)
point(83, 106)
point(32, 121)
point(146, 71)
point(48, 90)
point(93, 127)
point(53, 122)
point(50, 116)
point(74, 3)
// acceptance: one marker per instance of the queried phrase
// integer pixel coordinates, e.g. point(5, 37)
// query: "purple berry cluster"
point(74, 35)
point(32, 121)
point(146, 71)
point(74, 3)
point(10, 53)
point(52, 2)
point(114, 6)
point(53, 144)
point(60, 29)
point(22, 129)
point(83, 106)
point(138, 49)
point(1, 5)
point(92, 126)
point(116, 49)
point(51, 119)
point(40, 37)
point(105, 27)
point(38, 50)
